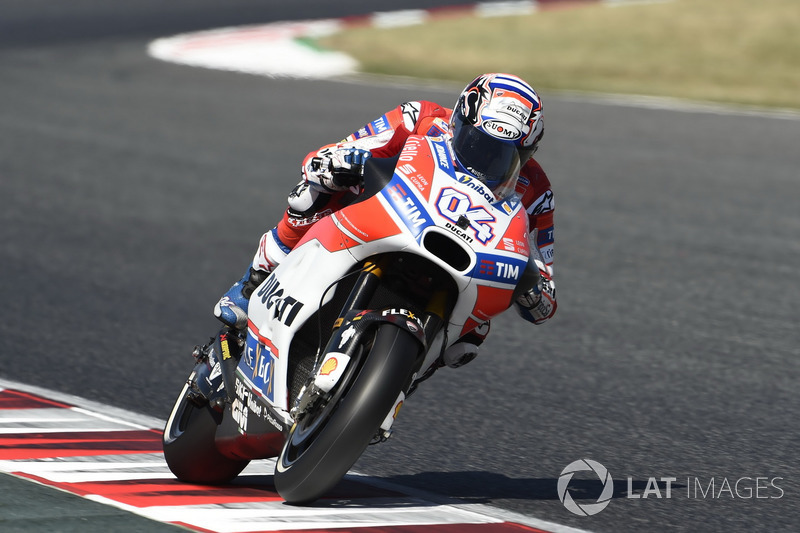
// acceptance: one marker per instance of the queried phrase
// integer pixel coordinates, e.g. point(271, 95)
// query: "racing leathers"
point(319, 194)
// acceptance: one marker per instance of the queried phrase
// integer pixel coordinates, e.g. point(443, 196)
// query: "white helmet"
point(496, 125)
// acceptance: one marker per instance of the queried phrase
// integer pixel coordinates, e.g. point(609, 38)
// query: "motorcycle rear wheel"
point(189, 447)
point(324, 444)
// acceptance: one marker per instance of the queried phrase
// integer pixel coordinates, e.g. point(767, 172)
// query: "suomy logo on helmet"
point(502, 130)
point(505, 116)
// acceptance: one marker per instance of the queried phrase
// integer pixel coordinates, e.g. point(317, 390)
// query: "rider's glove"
point(538, 303)
point(337, 169)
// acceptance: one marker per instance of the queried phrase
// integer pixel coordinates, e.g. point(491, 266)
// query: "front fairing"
point(428, 202)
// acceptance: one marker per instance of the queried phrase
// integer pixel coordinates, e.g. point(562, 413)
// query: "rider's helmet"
point(496, 126)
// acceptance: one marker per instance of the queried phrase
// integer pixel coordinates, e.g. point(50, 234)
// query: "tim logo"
point(407, 207)
point(489, 268)
point(380, 125)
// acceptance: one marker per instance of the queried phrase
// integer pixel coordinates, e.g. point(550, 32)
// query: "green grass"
point(730, 51)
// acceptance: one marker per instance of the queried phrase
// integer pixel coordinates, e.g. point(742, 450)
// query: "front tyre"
point(325, 443)
point(189, 447)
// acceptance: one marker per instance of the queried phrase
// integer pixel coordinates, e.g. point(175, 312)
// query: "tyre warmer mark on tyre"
point(119, 463)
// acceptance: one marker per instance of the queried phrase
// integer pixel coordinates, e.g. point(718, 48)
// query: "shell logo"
point(328, 366)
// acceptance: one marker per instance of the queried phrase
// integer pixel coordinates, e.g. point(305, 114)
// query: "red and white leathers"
point(310, 201)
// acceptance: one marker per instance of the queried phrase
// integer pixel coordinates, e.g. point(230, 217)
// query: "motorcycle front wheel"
point(325, 443)
point(189, 447)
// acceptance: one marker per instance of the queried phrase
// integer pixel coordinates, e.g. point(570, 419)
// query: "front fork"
point(344, 343)
point(328, 370)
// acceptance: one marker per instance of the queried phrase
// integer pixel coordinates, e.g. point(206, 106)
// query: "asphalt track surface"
point(134, 192)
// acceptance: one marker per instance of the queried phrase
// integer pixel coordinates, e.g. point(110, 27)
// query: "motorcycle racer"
point(494, 130)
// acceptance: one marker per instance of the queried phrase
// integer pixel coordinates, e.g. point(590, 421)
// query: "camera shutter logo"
point(585, 509)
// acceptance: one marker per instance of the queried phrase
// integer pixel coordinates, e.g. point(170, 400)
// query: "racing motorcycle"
point(346, 327)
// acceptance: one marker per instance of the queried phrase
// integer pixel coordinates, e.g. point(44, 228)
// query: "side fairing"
point(279, 307)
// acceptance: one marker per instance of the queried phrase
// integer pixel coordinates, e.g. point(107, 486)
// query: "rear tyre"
point(324, 444)
point(189, 447)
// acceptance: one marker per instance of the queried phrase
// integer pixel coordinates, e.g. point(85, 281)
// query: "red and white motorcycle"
point(349, 323)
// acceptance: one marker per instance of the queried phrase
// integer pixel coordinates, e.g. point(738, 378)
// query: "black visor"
point(493, 161)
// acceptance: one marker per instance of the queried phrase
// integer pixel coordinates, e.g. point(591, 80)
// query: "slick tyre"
point(324, 444)
point(189, 447)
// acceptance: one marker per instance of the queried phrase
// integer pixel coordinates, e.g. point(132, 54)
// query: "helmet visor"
point(493, 161)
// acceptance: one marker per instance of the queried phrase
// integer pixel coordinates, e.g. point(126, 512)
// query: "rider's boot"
point(231, 309)
point(306, 206)
point(466, 348)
